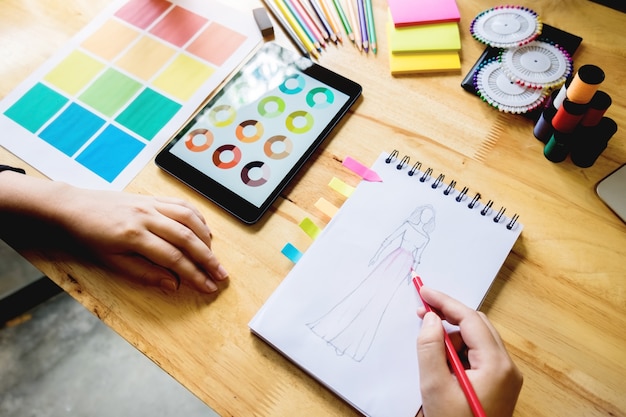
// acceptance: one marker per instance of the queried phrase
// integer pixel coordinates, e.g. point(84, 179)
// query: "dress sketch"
point(351, 325)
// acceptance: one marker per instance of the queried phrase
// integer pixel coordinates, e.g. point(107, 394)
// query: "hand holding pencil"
point(492, 373)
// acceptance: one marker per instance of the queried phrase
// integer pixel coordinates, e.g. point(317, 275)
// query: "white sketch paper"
point(346, 313)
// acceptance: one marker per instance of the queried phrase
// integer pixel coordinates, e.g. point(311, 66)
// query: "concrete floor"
point(62, 361)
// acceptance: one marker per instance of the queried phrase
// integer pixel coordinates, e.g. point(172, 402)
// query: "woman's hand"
point(494, 376)
point(155, 240)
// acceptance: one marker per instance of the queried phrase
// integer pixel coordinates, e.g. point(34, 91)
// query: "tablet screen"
point(254, 134)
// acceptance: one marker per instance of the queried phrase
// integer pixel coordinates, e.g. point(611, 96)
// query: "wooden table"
point(559, 301)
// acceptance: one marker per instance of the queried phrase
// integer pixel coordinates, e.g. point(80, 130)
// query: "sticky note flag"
point(291, 252)
point(310, 228)
point(341, 187)
point(326, 207)
point(361, 170)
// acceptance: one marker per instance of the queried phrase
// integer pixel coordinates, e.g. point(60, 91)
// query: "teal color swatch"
point(148, 113)
point(36, 107)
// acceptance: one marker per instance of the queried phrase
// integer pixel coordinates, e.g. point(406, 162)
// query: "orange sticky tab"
point(326, 207)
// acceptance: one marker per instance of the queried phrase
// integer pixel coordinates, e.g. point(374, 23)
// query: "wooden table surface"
point(559, 300)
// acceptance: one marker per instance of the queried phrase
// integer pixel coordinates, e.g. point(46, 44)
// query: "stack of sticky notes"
point(423, 36)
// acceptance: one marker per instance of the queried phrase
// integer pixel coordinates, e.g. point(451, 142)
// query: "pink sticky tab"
point(361, 170)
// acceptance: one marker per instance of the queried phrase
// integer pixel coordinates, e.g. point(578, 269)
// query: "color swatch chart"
point(98, 111)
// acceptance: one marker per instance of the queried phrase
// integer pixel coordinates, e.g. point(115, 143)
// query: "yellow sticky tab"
point(310, 228)
point(326, 207)
point(341, 187)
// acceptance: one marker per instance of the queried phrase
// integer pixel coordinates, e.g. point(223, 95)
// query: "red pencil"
point(455, 361)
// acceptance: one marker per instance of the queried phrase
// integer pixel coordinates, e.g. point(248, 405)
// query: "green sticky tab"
point(310, 228)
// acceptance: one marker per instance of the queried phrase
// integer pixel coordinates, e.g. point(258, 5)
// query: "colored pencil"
point(313, 16)
point(355, 24)
point(455, 361)
point(307, 19)
point(317, 8)
point(285, 26)
point(344, 20)
point(308, 30)
point(363, 25)
point(371, 27)
point(332, 18)
point(304, 38)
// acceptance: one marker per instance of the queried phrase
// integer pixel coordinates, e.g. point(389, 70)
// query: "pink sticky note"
point(416, 12)
point(361, 170)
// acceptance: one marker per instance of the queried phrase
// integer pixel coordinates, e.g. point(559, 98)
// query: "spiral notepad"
point(346, 313)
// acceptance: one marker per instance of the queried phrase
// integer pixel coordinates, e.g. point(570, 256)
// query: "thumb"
point(431, 354)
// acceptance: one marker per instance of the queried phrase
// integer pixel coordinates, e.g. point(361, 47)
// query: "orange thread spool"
point(585, 84)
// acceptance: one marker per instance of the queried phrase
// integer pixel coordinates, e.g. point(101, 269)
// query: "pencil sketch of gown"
point(351, 325)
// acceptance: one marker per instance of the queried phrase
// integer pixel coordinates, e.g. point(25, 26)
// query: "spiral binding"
point(439, 180)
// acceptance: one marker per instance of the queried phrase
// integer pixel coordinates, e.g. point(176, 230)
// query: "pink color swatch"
point(178, 26)
point(141, 13)
point(216, 43)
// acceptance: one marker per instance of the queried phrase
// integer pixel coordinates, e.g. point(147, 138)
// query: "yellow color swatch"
point(146, 58)
point(183, 77)
point(74, 72)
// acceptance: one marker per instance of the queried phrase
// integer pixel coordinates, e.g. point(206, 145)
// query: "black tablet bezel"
point(226, 198)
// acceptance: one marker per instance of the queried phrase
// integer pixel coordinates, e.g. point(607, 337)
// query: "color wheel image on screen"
point(248, 140)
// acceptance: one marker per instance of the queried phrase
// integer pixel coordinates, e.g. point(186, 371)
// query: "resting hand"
point(494, 376)
point(158, 241)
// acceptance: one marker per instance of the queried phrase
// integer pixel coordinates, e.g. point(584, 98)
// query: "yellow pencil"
point(297, 28)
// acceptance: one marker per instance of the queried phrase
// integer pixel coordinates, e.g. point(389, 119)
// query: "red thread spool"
point(568, 116)
point(598, 105)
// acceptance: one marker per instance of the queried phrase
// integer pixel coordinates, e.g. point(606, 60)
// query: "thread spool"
point(598, 105)
point(568, 116)
point(558, 147)
point(557, 100)
point(590, 142)
point(585, 83)
point(543, 128)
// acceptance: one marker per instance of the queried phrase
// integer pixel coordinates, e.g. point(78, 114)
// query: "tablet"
point(244, 146)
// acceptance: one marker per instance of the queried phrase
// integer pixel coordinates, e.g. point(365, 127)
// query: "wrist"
point(32, 197)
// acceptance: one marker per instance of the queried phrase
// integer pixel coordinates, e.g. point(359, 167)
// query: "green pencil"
point(371, 29)
point(344, 20)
